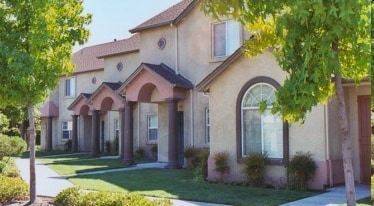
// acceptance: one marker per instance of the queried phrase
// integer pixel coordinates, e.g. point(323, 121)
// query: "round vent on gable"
point(119, 66)
point(161, 43)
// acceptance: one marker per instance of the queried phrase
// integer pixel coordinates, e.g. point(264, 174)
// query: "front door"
point(180, 137)
point(102, 143)
point(364, 122)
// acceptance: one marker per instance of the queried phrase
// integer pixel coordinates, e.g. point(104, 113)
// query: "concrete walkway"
point(335, 196)
point(49, 183)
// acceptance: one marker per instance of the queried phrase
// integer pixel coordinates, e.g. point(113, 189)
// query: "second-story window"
point(226, 38)
point(70, 87)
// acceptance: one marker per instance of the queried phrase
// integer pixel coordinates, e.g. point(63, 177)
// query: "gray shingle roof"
point(169, 75)
point(172, 15)
point(90, 58)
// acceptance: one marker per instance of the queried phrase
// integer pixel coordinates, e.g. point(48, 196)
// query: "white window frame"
point(207, 125)
point(116, 129)
point(152, 127)
point(244, 108)
point(228, 34)
point(66, 126)
point(69, 87)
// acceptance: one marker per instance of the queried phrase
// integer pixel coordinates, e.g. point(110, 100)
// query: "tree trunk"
point(346, 143)
point(30, 110)
point(350, 190)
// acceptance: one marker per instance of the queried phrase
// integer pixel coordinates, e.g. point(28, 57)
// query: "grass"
point(362, 202)
point(179, 184)
point(70, 164)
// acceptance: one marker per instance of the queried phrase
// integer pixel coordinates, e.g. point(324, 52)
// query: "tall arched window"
point(261, 132)
point(258, 132)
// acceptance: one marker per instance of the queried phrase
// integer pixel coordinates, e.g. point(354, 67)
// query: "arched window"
point(260, 132)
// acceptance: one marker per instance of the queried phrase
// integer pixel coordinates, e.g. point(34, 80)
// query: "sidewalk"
point(49, 183)
point(335, 196)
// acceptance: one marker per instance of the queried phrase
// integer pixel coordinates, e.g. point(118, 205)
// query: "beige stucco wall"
point(224, 91)
point(130, 63)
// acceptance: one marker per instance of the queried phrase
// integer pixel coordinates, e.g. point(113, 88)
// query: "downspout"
point(138, 122)
point(176, 47)
point(192, 118)
point(327, 145)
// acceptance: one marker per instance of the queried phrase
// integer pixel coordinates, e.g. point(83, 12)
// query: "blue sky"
point(112, 19)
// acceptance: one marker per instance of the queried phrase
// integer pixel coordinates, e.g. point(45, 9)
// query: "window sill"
point(218, 59)
point(152, 142)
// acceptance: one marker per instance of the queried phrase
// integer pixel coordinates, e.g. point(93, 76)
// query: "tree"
point(36, 41)
point(317, 43)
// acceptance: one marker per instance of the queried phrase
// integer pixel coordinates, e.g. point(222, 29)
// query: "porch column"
point(95, 146)
point(48, 140)
point(128, 144)
point(122, 131)
point(173, 135)
point(74, 134)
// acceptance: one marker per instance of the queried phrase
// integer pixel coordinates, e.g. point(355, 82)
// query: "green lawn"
point(70, 164)
point(179, 184)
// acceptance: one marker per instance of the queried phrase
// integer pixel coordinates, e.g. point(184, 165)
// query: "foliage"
point(11, 146)
point(254, 167)
point(189, 152)
point(303, 34)
point(12, 189)
point(69, 196)
point(200, 165)
point(36, 41)
point(221, 162)
point(108, 146)
point(116, 144)
point(301, 168)
point(73, 196)
point(3, 166)
point(139, 153)
point(68, 145)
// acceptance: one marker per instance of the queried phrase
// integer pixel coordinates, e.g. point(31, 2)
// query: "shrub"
point(11, 146)
point(12, 189)
point(301, 168)
point(139, 153)
point(108, 146)
point(68, 145)
point(2, 166)
point(69, 196)
point(72, 196)
point(116, 145)
point(201, 165)
point(254, 168)
point(221, 161)
point(190, 152)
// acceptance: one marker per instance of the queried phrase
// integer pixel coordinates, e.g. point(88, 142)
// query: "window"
point(70, 87)
point(116, 128)
point(152, 128)
point(261, 132)
point(226, 38)
point(207, 125)
point(66, 129)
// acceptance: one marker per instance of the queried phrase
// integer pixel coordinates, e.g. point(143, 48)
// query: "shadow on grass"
point(179, 184)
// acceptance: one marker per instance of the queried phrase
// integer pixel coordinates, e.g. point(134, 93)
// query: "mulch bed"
point(40, 201)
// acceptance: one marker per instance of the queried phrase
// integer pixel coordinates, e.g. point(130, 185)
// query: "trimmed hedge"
point(74, 197)
point(12, 189)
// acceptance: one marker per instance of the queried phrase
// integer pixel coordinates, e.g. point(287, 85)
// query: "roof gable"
point(164, 72)
point(172, 15)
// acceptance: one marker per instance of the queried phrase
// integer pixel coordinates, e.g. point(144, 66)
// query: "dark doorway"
point(364, 123)
point(180, 119)
point(102, 143)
